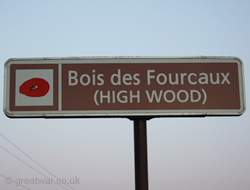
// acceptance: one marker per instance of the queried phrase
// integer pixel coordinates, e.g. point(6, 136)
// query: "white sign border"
point(122, 113)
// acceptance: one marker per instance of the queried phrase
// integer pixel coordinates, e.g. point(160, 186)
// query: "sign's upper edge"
point(122, 57)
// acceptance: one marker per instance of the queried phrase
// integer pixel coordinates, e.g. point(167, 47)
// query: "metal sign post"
point(141, 157)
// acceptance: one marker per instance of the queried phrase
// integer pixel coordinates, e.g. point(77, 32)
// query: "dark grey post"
point(141, 157)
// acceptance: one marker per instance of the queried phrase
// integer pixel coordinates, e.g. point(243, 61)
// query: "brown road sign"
point(124, 87)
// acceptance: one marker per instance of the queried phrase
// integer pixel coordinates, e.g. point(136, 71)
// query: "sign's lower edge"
point(122, 113)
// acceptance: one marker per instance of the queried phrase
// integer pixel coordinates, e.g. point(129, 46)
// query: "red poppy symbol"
point(35, 87)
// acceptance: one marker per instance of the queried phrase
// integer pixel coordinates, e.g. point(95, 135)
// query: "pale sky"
point(210, 153)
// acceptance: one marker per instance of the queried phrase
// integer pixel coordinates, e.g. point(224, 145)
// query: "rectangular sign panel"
point(124, 87)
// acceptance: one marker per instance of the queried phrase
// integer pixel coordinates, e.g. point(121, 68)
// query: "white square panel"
point(23, 75)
